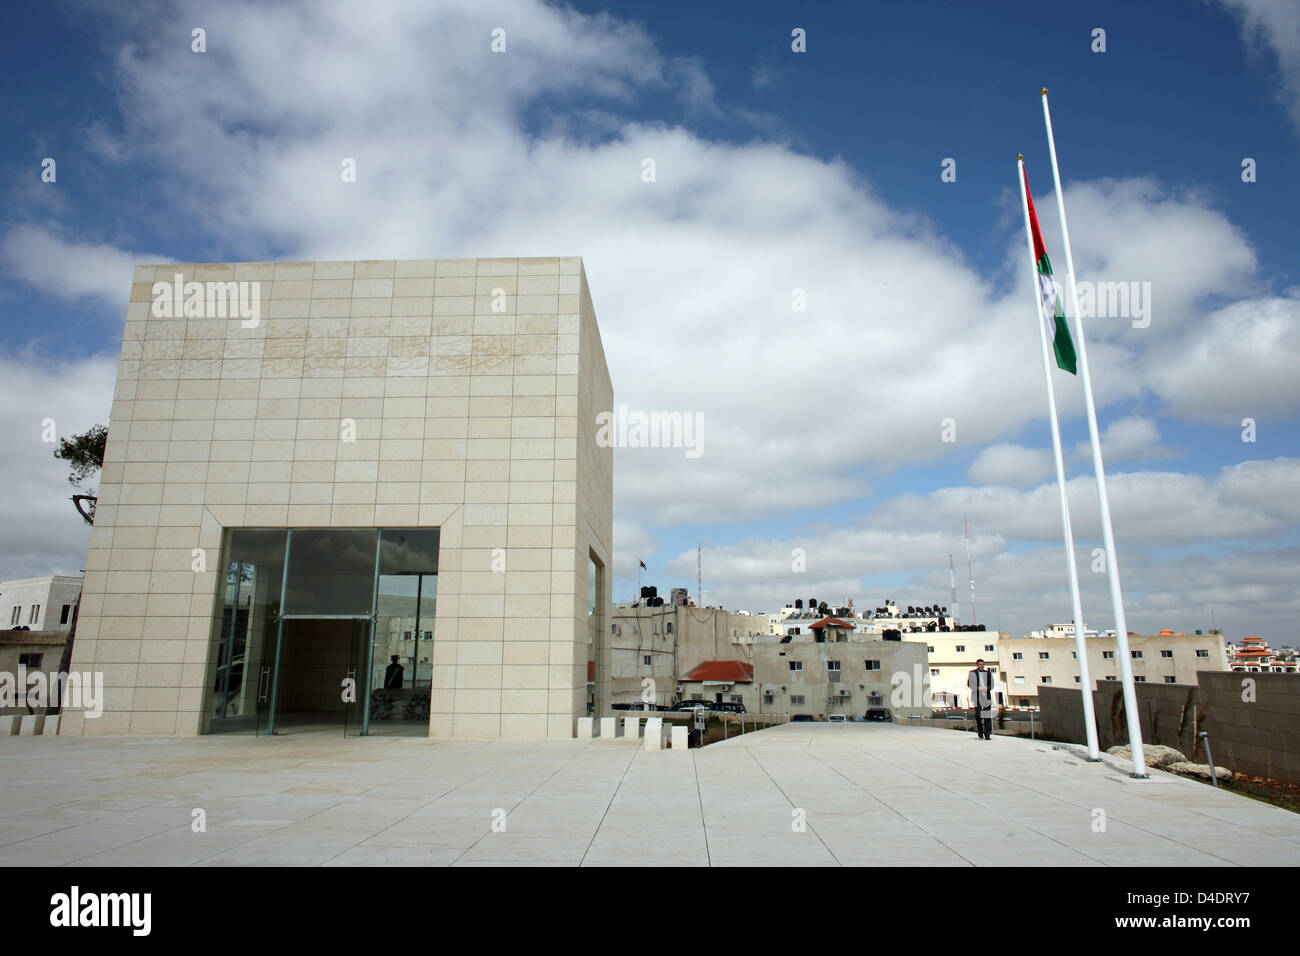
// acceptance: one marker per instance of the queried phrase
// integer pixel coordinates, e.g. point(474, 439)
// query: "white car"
point(837, 719)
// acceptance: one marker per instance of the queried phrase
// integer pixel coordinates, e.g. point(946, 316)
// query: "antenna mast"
point(974, 618)
point(952, 584)
point(699, 573)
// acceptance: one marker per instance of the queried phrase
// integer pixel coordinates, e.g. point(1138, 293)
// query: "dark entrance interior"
point(318, 656)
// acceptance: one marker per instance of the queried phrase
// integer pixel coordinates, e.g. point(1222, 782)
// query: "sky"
point(827, 272)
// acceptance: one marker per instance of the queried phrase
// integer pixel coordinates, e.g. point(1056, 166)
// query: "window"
point(697, 696)
point(796, 700)
point(1108, 655)
point(646, 660)
point(406, 635)
point(796, 666)
point(1046, 680)
point(1017, 656)
point(1074, 655)
point(29, 660)
point(65, 614)
point(1110, 677)
point(1202, 652)
point(872, 665)
point(35, 615)
point(934, 672)
point(929, 650)
point(988, 647)
point(1166, 654)
point(737, 698)
point(961, 648)
point(1138, 679)
point(1169, 680)
point(1136, 655)
point(613, 629)
point(1044, 655)
point(1076, 678)
point(668, 627)
point(1017, 680)
point(13, 615)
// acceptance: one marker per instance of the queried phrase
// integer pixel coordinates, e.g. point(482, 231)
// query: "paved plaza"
point(867, 795)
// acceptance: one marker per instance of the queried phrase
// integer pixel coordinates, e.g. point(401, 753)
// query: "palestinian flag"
point(1053, 310)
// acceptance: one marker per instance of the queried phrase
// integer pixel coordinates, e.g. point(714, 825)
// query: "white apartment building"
point(1166, 657)
point(40, 604)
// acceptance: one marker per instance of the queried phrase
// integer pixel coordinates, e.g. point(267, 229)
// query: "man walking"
point(980, 683)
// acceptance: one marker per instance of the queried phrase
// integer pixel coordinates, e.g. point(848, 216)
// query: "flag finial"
point(1020, 157)
point(1043, 91)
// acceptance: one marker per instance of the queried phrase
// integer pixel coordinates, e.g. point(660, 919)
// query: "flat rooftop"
point(871, 795)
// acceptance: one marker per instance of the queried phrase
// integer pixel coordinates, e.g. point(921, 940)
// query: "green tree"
point(85, 456)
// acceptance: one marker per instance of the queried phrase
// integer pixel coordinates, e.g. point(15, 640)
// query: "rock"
point(1156, 755)
point(1201, 770)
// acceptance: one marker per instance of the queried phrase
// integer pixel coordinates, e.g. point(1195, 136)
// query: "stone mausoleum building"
point(361, 495)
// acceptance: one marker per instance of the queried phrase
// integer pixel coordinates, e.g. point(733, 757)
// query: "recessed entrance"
point(325, 629)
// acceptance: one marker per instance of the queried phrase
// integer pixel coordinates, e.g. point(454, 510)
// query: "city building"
point(830, 668)
point(1255, 656)
point(40, 604)
point(308, 461)
point(1167, 657)
point(663, 642)
point(717, 682)
point(952, 656)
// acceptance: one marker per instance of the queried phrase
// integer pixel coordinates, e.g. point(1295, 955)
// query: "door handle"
point(262, 685)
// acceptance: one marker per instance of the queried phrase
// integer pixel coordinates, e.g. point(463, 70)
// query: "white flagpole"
point(1080, 643)
point(1107, 531)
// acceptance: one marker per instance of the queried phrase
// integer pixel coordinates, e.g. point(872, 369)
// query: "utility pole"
point(699, 572)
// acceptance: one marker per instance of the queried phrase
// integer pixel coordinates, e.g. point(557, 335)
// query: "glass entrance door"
point(245, 634)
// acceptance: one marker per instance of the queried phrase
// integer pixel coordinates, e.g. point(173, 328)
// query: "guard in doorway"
point(393, 674)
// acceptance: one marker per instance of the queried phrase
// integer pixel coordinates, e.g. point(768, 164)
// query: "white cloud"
point(43, 534)
point(1241, 365)
point(71, 270)
point(1275, 24)
point(1134, 438)
point(1010, 465)
point(1146, 506)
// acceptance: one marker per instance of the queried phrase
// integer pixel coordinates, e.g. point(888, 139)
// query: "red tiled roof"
point(830, 622)
point(737, 671)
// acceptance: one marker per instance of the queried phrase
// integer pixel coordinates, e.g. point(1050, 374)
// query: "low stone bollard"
point(609, 728)
point(654, 733)
point(631, 728)
point(51, 728)
point(681, 737)
point(586, 728)
point(9, 726)
point(32, 725)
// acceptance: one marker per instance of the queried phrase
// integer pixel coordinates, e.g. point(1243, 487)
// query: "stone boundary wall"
point(1254, 729)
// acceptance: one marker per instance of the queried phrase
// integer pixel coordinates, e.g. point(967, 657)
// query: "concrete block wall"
point(1259, 736)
